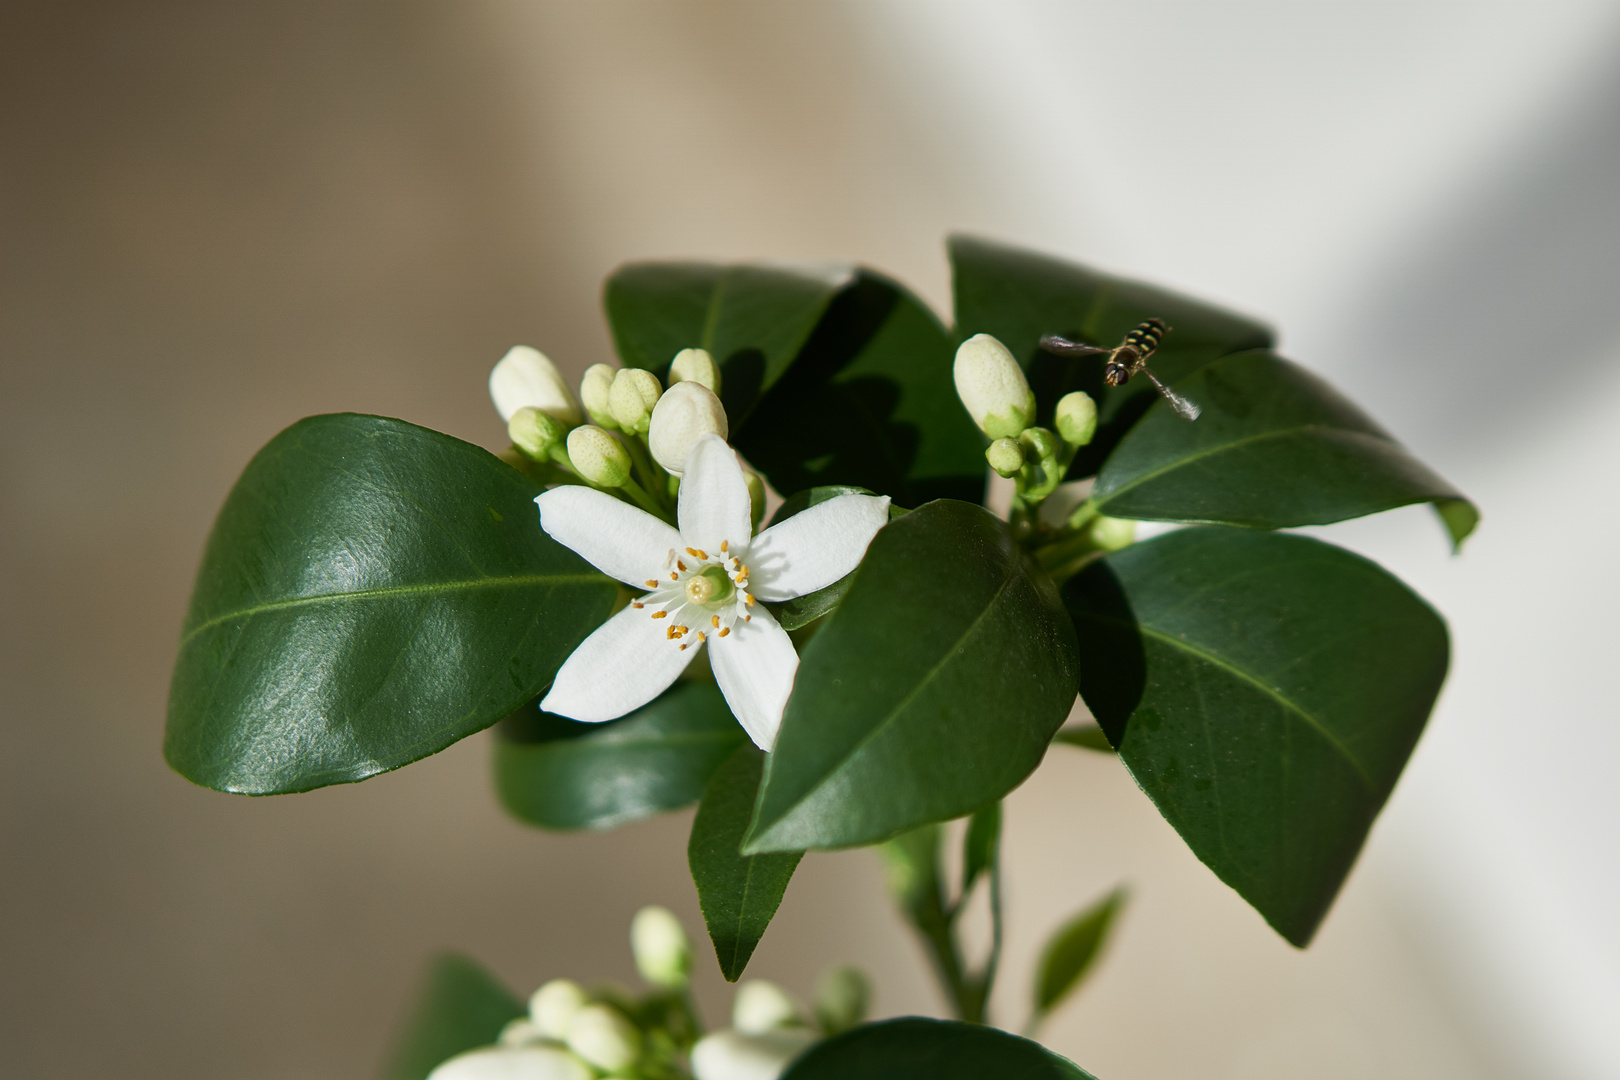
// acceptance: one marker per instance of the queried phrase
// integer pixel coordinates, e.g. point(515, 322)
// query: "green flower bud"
point(695, 365)
point(756, 497)
point(595, 390)
point(842, 997)
point(1076, 418)
point(686, 412)
point(598, 456)
point(524, 377)
point(663, 954)
point(535, 433)
point(1112, 534)
point(1005, 456)
point(1039, 443)
point(552, 1007)
point(762, 1006)
point(992, 387)
point(605, 1038)
point(632, 396)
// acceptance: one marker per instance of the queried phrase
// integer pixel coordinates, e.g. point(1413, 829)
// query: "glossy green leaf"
point(562, 774)
point(460, 1006)
point(870, 402)
point(915, 1048)
point(753, 318)
point(1019, 296)
point(933, 689)
point(979, 845)
point(1086, 736)
point(1275, 446)
point(1070, 952)
point(1265, 690)
point(738, 893)
point(372, 591)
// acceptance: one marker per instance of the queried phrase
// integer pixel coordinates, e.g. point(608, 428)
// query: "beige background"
point(215, 219)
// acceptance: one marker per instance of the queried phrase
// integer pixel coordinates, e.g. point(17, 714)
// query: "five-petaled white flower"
point(703, 582)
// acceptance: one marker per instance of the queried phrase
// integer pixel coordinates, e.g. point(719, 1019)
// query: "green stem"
point(651, 475)
point(644, 500)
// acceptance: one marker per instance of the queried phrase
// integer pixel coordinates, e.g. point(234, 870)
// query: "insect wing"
point(1062, 346)
point(1187, 410)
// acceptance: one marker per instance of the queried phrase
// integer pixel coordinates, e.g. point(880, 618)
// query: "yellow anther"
point(671, 634)
point(697, 553)
point(679, 565)
point(683, 647)
point(724, 630)
point(659, 614)
point(724, 545)
point(700, 636)
point(673, 576)
point(748, 618)
point(714, 621)
point(748, 598)
point(637, 604)
point(651, 583)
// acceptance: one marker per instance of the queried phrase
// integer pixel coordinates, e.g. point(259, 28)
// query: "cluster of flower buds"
point(633, 434)
point(571, 1033)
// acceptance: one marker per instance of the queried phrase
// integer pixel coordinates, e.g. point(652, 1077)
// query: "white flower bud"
point(762, 1006)
point(1076, 418)
point(552, 1007)
point(632, 396)
point(535, 433)
point(598, 456)
point(1112, 534)
point(686, 412)
point(695, 365)
point(519, 1031)
point(525, 377)
point(1005, 456)
point(513, 1063)
point(992, 387)
point(604, 1037)
point(842, 996)
point(756, 497)
point(731, 1055)
point(595, 390)
point(663, 954)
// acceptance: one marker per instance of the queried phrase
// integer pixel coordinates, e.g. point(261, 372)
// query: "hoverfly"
point(1129, 358)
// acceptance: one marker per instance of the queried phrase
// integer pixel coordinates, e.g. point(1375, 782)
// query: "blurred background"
point(218, 218)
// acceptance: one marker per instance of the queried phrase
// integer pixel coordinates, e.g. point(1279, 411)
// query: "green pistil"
point(710, 587)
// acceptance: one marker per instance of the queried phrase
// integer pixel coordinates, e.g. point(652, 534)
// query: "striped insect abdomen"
point(1145, 338)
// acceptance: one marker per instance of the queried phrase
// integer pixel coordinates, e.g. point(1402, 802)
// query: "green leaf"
point(1265, 690)
point(1070, 952)
point(372, 592)
point(460, 1006)
point(870, 402)
point(915, 1048)
point(979, 845)
point(753, 318)
point(1086, 736)
point(934, 689)
point(1020, 296)
point(738, 893)
point(1275, 446)
point(561, 774)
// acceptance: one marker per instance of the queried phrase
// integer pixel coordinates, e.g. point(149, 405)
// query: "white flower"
point(513, 1063)
point(762, 1006)
point(703, 581)
point(731, 1055)
point(526, 377)
point(604, 1037)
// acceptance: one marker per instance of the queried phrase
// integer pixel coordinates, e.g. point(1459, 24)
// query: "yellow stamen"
point(724, 544)
point(674, 576)
point(714, 620)
point(724, 630)
point(683, 647)
point(748, 598)
point(697, 553)
point(638, 604)
point(700, 636)
point(748, 618)
point(651, 583)
point(671, 634)
point(659, 614)
point(679, 565)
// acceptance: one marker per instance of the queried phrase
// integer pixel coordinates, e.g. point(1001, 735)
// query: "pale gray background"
point(215, 219)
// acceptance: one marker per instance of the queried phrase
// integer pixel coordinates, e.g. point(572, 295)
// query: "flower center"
point(711, 587)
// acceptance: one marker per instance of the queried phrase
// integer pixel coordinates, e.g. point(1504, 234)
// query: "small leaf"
point(1020, 296)
point(915, 1048)
point(372, 592)
point(1087, 736)
point(739, 893)
point(1265, 690)
point(934, 689)
point(1274, 447)
point(560, 774)
point(979, 845)
point(1070, 952)
point(460, 1006)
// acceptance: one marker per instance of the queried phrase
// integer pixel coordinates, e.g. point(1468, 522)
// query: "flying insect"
point(1129, 358)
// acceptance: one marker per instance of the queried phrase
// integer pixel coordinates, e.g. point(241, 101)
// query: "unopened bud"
point(842, 996)
point(598, 456)
point(731, 1055)
point(1076, 418)
point(632, 396)
point(687, 412)
point(524, 377)
point(604, 1037)
point(506, 1062)
point(1039, 443)
point(1005, 456)
point(695, 365)
point(535, 433)
point(756, 497)
point(518, 1032)
point(762, 1006)
point(992, 387)
point(1112, 534)
point(663, 954)
point(552, 1007)
point(595, 391)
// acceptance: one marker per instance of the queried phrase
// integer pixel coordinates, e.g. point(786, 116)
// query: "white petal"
point(731, 1055)
point(615, 537)
point(625, 663)
point(714, 503)
point(815, 547)
point(513, 1063)
point(754, 665)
